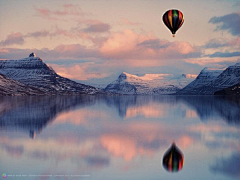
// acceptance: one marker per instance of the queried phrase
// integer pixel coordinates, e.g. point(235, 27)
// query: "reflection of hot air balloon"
point(173, 19)
point(173, 159)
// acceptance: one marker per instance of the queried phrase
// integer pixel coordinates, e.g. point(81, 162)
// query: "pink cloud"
point(122, 44)
point(74, 50)
point(223, 44)
point(213, 62)
point(100, 27)
point(128, 22)
point(130, 45)
point(37, 34)
point(77, 72)
point(67, 10)
point(14, 38)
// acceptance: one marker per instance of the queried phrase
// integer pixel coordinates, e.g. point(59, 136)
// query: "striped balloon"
point(173, 19)
point(173, 159)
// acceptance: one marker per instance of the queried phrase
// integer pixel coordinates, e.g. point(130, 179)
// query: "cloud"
point(213, 62)
point(216, 43)
point(78, 72)
point(67, 10)
point(229, 22)
point(72, 51)
point(37, 34)
point(100, 27)
point(14, 38)
point(224, 54)
point(128, 22)
point(154, 44)
point(219, 43)
point(130, 45)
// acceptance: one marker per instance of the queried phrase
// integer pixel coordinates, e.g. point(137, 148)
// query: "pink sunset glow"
point(99, 40)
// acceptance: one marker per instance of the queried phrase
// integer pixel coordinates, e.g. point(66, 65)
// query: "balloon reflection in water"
point(173, 159)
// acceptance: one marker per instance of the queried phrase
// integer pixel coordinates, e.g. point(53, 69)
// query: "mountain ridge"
point(10, 87)
point(210, 81)
point(148, 83)
point(32, 71)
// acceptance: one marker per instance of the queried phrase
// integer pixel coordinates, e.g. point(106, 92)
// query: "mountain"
point(9, 87)
point(233, 90)
point(210, 80)
point(32, 71)
point(149, 83)
point(206, 76)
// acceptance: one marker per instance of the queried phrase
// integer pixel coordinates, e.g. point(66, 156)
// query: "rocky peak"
point(32, 55)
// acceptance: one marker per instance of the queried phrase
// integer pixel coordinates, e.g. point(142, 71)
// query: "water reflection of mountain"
point(227, 108)
point(32, 114)
point(123, 103)
point(206, 107)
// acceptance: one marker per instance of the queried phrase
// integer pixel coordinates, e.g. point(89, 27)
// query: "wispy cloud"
point(219, 43)
point(125, 21)
point(229, 22)
point(225, 54)
point(72, 51)
point(96, 28)
point(214, 62)
point(14, 38)
point(66, 10)
point(37, 34)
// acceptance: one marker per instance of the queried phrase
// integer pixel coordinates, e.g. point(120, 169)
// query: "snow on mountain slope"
point(9, 87)
point(210, 81)
point(149, 83)
point(204, 78)
point(34, 72)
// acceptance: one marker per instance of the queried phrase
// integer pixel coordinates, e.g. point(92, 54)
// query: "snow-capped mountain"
point(9, 87)
point(149, 83)
point(209, 81)
point(204, 78)
point(32, 71)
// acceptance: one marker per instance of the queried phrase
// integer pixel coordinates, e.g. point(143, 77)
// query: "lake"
point(118, 137)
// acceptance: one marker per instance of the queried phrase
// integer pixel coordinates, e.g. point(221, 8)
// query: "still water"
point(118, 137)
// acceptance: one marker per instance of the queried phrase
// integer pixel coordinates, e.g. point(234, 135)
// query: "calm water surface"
point(106, 138)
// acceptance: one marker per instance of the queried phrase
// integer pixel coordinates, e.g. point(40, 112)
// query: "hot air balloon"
point(173, 159)
point(173, 19)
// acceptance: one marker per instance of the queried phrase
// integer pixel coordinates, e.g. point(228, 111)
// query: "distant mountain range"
point(31, 76)
point(210, 81)
point(149, 83)
point(34, 73)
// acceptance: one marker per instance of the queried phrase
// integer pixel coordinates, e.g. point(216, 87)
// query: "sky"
point(93, 41)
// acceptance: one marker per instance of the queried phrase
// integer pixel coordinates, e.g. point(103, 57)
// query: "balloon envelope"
point(173, 19)
point(173, 159)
